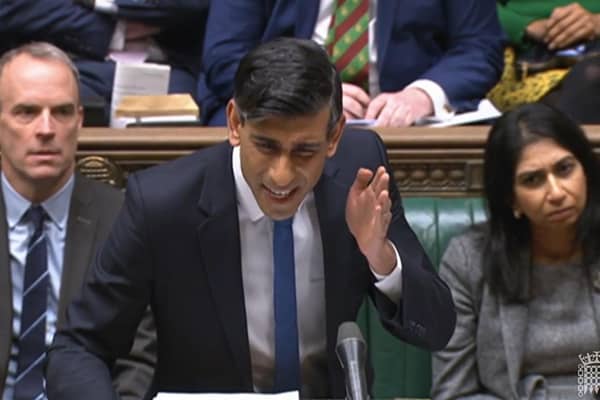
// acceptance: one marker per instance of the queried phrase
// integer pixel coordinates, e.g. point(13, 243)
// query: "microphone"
point(351, 350)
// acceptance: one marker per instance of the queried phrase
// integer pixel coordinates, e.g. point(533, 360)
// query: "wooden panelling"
point(426, 161)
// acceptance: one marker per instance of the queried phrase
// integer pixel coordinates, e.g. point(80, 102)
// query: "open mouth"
point(279, 194)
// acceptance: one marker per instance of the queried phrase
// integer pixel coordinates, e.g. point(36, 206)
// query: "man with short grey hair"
point(52, 220)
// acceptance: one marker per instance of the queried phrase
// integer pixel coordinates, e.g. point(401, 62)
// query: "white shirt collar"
point(57, 206)
point(245, 197)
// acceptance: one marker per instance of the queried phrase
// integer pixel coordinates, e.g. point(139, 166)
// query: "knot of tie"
point(284, 223)
point(37, 215)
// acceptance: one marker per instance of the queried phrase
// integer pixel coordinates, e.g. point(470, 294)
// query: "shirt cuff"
point(441, 106)
point(391, 284)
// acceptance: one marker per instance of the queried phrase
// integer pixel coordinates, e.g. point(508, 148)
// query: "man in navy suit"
point(196, 239)
point(427, 57)
point(94, 33)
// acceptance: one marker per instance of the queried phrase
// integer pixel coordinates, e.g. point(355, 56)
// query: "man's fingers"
point(381, 181)
point(565, 28)
point(384, 201)
point(352, 108)
point(376, 106)
point(386, 114)
point(363, 177)
point(402, 116)
point(357, 93)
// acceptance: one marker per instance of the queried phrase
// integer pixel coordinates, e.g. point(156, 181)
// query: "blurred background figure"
point(526, 284)
point(553, 56)
point(97, 33)
point(399, 61)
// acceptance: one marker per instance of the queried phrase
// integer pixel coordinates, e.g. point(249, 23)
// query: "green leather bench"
point(402, 370)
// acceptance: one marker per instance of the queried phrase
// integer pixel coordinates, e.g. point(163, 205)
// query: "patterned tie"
point(29, 383)
point(287, 359)
point(348, 41)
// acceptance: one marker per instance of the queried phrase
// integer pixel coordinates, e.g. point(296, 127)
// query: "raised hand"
point(368, 215)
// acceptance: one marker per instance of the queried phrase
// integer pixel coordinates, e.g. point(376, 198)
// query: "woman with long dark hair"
point(526, 284)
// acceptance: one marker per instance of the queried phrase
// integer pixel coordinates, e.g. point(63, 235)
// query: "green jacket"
point(515, 15)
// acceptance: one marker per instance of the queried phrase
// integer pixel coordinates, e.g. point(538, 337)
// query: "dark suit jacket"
point(93, 208)
point(86, 35)
point(176, 246)
point(455, 43)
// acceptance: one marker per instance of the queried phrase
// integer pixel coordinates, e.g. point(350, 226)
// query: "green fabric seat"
point(402, 370)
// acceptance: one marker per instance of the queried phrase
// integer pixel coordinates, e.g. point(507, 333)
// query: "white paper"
point(137, 79)
point(485, 110)
point(360, 122)
point(227, 396)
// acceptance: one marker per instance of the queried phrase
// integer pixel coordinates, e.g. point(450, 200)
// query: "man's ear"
point(234, 123)
point(335, 136)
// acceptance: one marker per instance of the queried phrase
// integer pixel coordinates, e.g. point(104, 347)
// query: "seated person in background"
point(94, 36)
point(52, 221)
point(399, 61)
point(565, 38)
point(247, 254)
point(525, 284)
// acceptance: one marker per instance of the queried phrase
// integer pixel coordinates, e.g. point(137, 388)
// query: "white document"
point(485, 110)
point(227, 396)
point(360, 122)
point(137, 79)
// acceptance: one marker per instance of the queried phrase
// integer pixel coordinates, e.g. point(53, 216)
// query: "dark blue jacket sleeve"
point(72, 27)
point(473, 59)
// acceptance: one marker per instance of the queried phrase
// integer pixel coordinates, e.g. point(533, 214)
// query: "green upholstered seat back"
point(402, 370)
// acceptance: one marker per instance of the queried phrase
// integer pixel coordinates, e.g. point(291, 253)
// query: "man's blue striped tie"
point(29, 384)
point(287, 359)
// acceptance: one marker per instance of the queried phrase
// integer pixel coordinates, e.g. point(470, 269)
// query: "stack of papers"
point(170, 108)
point(135, 79)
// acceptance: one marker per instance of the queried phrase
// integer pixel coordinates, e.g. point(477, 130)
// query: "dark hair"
point(287, 77)
point(507, 255)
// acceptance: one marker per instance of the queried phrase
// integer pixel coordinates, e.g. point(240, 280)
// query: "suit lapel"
point(514, 328)
point(79, 242)
point(6, 311)
point(336, 255)
point(219, 244)
point(386, 14)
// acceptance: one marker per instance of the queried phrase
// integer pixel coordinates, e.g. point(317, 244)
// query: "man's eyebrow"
point(308, 146)
point(25, 105)
point(258, 136)
point(64, 106)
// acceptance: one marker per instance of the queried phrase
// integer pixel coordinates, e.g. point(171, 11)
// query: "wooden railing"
point(426, 161)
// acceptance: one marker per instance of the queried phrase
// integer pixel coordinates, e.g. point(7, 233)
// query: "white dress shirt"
point(256, 243)
point(441, 105)
point(19, 234)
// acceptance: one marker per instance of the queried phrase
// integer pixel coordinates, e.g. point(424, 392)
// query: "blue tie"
point(287, 359)
point(29, 384)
